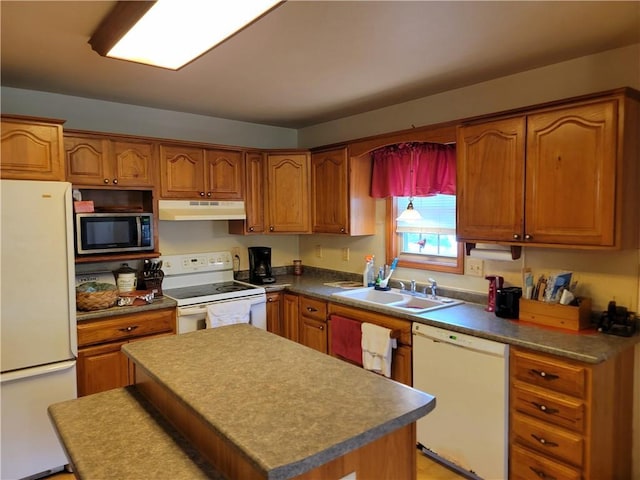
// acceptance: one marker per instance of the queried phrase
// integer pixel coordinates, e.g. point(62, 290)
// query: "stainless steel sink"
point(396, 299)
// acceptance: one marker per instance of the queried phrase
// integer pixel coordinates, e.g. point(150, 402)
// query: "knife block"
point(152, 281)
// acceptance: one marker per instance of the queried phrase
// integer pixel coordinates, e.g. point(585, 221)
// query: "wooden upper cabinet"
point(490, 183)
point(563, 176)
point(340, 200)
point(181, 172)
point(103, 160)
point(287, 193)
point(224, 174)
point(254, 196)
point(192, 172)
point(32, 149)
point(571, 175)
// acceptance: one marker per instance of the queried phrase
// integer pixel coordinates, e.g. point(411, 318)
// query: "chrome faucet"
point(401, 285)
point(413, 286)
point(433, 287)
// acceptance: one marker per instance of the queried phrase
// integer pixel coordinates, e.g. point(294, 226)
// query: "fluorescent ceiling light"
point(173, 32)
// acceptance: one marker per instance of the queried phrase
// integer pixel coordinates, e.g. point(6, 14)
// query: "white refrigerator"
point(38, 322)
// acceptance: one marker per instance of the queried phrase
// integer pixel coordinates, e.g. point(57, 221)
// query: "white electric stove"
point(197, 280)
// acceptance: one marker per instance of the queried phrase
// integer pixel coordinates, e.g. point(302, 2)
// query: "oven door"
point(193, 317)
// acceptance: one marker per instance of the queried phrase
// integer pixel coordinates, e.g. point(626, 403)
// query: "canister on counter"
point(297, 267)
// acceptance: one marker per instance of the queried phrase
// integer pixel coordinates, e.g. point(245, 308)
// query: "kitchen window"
point(430, 243)
point(424, 173)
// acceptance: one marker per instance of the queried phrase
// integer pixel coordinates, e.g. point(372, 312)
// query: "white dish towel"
point(228, 313)
point(377, 346)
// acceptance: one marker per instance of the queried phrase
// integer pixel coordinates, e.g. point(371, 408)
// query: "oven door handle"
point(198, 309)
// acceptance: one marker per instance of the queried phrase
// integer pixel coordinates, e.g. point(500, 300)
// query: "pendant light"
point(410, 214)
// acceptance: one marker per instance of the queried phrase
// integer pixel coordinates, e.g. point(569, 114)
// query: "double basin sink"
point(396, 299)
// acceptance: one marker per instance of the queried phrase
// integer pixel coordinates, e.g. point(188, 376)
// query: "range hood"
point(201, 210)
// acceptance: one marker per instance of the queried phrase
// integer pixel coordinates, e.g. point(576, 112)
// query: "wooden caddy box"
point(556, 315)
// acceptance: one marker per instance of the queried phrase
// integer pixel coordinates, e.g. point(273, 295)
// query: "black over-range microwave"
point(113, 232)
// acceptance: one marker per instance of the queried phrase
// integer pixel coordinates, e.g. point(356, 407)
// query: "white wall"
point(100, 116)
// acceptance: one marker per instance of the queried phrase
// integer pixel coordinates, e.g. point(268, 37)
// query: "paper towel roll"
point(491, 254)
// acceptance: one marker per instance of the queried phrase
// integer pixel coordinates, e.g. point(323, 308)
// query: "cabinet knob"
point(129, 328)
point(342, 230)
point(106, 181)
point(516, 236)
point(271, 229)
point(115, 181)
point(528, 237)
point(202, 194)
point(209, 194)
point(251, 229)
point(321, 327)
point(544, 442)
point(543, 408)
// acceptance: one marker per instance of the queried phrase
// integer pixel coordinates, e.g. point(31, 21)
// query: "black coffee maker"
point(260, 265)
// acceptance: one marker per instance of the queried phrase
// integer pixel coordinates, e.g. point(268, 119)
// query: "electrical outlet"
point(345, 254)
point(475, 267)
point(319, 251)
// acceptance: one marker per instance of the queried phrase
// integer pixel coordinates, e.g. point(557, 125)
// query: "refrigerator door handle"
point(35, 371)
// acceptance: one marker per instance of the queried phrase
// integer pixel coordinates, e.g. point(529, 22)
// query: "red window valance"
point(433, 166)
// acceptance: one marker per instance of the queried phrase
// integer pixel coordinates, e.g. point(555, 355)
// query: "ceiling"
point(308, 62)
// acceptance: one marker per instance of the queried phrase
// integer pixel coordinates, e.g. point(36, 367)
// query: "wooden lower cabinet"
point(290, 311)
point(312, 324)
point(101, 364)
point(570, 420)
point(275, 323)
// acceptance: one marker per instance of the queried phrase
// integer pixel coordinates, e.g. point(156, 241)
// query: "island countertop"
point(285, 407)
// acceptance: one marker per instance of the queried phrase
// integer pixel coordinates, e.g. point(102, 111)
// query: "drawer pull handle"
point(544, 442)
point(543, 374)
point(311, 309)
point(541, 474)
point(544, 408)
point(129, 329)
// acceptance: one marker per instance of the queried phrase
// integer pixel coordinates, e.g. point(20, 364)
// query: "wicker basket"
point(87, 301)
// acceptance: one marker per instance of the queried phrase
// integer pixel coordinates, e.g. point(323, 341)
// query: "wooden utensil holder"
point(555, 315)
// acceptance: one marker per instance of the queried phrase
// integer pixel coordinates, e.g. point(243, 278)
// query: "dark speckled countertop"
point(287, 408)
point(470, 318)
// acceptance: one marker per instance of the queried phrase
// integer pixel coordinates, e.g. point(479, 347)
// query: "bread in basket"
point(96, 296)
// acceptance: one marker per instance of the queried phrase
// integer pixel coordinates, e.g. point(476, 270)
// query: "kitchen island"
point(256, 405)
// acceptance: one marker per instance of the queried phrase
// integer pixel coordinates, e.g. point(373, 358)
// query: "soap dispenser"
point(495, 283)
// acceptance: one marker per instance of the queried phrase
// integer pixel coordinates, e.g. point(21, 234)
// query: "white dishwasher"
point(468, 429)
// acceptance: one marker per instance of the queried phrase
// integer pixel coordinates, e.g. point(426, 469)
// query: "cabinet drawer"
point(527, 465)
point(549, 373)
point(316, 309)
point(553, 441)
point(124, 327)
point(565, 412)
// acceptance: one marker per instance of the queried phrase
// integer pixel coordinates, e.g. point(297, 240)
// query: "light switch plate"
point(475, 267)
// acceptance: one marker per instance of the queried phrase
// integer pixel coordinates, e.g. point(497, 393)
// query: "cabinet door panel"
point(329, 192)
point(101, 368)
point(274, 313)
point(571, 165)
point(134, 163)
point(288, 193)
point(490, 169)
point(290, 316)
point(182, 172)
point(31, 151)
point(313, 334)
point(88, 161)
point(224, 174)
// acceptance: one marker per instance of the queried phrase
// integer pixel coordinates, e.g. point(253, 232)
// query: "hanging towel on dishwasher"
point(228, 313)
point(346, 338)
point(377, 346)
